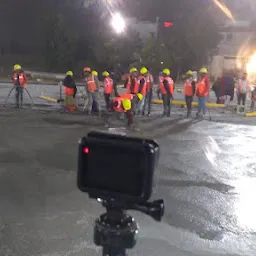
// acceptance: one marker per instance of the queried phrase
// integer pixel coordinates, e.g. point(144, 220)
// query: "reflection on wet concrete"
point(207, 176)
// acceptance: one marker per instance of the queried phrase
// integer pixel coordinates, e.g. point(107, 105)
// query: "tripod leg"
point(29, 96)
point(8, 95)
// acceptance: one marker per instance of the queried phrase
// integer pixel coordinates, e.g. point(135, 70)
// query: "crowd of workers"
point(139, 90)
point(225, 86)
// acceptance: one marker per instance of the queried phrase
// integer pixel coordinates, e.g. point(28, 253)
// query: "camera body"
point(116, 167)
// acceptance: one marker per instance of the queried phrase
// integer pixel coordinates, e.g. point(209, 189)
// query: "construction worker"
point(94, 103)
point(69, 91)
point(108, 88)
point(189, 91)
point(132, 83)
point(202, 91)
point(19, 80)
point(135, 98)
point(115, 78)
point(125, 104)
point(243, 88)
point(253, 98)
point(92, 88)
point(167, 91)
point(149, 93)
point(142, 89)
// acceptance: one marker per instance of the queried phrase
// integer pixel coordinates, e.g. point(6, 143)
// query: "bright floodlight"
point(118, 23)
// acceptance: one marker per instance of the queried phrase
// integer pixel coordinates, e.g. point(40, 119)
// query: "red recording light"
point(86, 151)
point(168, 24)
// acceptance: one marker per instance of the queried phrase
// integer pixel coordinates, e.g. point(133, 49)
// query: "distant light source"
point(118, 23)
point(86, 150)
point(162, 63)
point(168, 24)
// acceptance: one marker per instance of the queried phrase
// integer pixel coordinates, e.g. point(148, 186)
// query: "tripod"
point(117, 231)
point(14, 87)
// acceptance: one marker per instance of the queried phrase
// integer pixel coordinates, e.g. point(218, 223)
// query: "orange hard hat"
point(87, 69)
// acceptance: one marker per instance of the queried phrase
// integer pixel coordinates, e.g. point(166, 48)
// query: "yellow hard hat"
point(203, 70)
point(95, 73)
point(69, 73)
point(16, 67)
point(167, 71)
point(133, 70)
point(105, 73)
point(127, 105)
point(140, 96)
point(190, 73)
point(143, 70)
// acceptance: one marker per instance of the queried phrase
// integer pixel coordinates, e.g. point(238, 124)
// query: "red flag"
point(168, 24)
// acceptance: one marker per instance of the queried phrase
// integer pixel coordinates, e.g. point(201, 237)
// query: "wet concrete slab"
point(206, 175)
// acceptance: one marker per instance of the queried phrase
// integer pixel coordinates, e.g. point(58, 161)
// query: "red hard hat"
point(87, 69)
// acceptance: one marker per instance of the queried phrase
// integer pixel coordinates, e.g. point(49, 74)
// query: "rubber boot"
point(199, 115)
point(66, 109)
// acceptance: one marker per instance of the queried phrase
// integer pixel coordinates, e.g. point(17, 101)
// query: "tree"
point(67, 32)
point(190, 40)
point(115, 49)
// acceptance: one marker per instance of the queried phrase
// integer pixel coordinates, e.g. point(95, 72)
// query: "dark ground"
point(207, 176)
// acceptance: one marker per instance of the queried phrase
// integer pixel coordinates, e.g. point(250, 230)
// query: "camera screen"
point(116, 169)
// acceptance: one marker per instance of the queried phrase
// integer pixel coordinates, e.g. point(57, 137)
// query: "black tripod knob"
point(114, 234)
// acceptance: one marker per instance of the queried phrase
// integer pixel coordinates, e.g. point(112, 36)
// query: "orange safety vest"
point(240, 85)
point(21, 77)
point(129, 85)
point(118, 106)
point(108, 85)
point(91, 84)
point(188, 88)
point(144, 86)
point(128, 96)
point(149, 79)
point(69, 91)
point(201, 88)
point(170, 84)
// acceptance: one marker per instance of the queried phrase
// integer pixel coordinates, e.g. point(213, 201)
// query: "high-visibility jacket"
point(108, 85)
point(143, 87)
point(170, 85)
point(160, 79)
point(202, 87)
point(132, 89)
point(91, 84)
point(188, 88)
point(69, 91)
point(19, 79)
point(128, 96)
point(240, 85)
point(117, 104)
point(149, 81)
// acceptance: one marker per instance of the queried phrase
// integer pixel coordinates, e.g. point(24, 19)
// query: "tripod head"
point(117, 231)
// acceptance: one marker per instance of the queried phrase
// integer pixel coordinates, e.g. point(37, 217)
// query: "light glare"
point(118, 23)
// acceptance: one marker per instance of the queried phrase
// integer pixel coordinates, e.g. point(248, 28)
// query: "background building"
point(235, 48)
point(144, 28)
